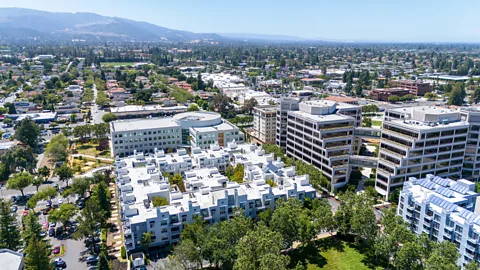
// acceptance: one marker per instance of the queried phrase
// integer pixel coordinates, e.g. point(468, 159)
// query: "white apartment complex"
point(443, 209)
point(215, 157)
point(209, 196)
point(264, 124)
point(196, 129)
point(417, 141)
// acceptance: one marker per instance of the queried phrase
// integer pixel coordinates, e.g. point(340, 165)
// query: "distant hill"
point(28, 23)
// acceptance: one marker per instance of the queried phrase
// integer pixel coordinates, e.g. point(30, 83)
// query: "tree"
point(358, 89)
point(73, 118)
point(64, 173)
point(289, 219)
point(249, 104)
point(322, 215)
point(444, 257)
point(19, 181)
point(38, 255)
point(81, 185)
point(103, 263)
point(409, 257)
point(8, 121)
point(193, 108)
point(260, 249)
point(430, 96)
point(101, 194)
point(475, 97)
point(457, 95)
point(90, 216)
point(367, 122)
point(146, 240)
point(109, 117)
point(63, 214)
point(19, 157)
point(57, 148)
point(187, 254)
point(159, 201)
point(9, 233)
point(471, 265)
point(37, 182)
point(32, 227)
point(28, 132)
point(44, 172)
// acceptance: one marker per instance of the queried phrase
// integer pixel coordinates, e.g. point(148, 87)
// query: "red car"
point(56, 250)
point(25, 213)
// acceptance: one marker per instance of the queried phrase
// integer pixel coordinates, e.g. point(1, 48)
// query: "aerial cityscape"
point(162, 136)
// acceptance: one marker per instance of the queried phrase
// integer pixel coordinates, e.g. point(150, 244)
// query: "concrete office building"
point(264, 124)
point(321, 133)
point(285, 105)
point(471, 162)
point(417, 141)
point(444, 210)
point(195, 129)
point(210, 197)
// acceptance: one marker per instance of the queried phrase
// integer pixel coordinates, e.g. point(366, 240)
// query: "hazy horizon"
point(345, 20)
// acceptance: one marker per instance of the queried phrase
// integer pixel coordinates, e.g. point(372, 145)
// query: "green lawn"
point(331, 253)
point(377, 123)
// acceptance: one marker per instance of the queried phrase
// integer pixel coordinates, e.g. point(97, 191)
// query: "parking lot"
point(76, 253)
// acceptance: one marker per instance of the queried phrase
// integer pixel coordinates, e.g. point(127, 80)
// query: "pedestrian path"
point(115, 242)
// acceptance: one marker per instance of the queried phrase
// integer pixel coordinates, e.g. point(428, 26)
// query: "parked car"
point(80, 205)
point(14, 209)
point(43, 233)
point(56, 250)
point(45, 225)
point(51, 232)
point(25, 213)
point(45, 211)
point(52, 224)
point(60, 201)
point(49, 203)
point(55, 185)
point(59, 262)
point(92, 259)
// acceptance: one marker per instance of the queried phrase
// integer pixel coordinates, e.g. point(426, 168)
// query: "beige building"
point(264, 124)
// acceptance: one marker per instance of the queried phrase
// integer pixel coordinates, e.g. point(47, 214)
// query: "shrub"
point(159, 201)
point(123, 252)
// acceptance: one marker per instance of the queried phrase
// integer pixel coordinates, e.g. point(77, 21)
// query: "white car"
point(60, 201)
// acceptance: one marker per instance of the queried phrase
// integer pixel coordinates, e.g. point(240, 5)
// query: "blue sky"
point(367, 20)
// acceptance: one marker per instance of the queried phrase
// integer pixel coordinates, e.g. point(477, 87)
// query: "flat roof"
point(137, 108)
point(224, 126)
point(143, 124)
point(11, 260)
point(320, 118)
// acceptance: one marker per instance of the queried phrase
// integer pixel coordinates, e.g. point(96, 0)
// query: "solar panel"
point(445, 192)
point(426, 184)
point(442, 203)
point(470, 216)
point(441, 181)
point(460, 188)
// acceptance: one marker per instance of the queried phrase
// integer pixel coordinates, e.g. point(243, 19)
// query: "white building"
point(196, 129)
point(443, 209)
point(417, 141)
point(264, 124)
point(215, 157)
point(210, 196)
point(173, 163)
point(321, 133)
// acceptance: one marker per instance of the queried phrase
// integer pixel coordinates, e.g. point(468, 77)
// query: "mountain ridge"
point(31, 23)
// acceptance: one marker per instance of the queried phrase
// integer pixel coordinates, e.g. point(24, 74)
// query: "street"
point(97, 113)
